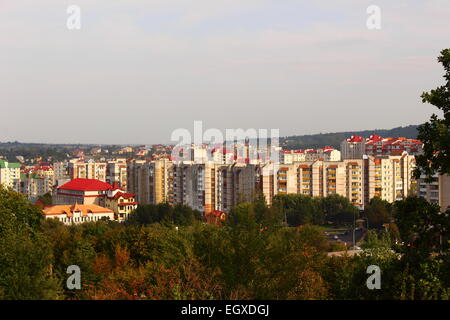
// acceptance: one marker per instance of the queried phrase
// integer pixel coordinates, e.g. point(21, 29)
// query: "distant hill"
point(334, 140)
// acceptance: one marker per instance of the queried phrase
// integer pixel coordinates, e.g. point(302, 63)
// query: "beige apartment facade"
point(9, 174)
point(150, 181)
point(210, 186)
point(437, 191)
point(389, 177)
point(87, 170)
point(116, 172)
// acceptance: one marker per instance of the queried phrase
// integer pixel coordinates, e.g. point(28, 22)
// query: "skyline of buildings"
point(215, 179)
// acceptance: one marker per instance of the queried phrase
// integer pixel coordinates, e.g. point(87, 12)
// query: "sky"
point(138, 70)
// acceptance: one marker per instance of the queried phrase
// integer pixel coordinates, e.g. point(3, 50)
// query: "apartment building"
point(356, 146)
point(137, 175)
point(61, 170)
point(325, 154)
point(438, 191)
point(192, 185)
point(315, 178)
point(232, 184)
point(150, 180)
point(33, 185)
point(87, 170)
point(10, 174)
point(116, 172)
point(389, 177)
point(353, 147)
point(212, 187)
point(379, 146)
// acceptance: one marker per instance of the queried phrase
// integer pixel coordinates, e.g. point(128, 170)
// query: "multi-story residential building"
point(137, 176)
point(192, 185)
point(325, 154)
point(82, 191)
point(150, 180)
point(10, 174)
point(34, 185)
point(87, 170)
point(437, 191)
point(116, 172)
point(232, 184)
point(61, 170)
point(212, 187)
point(78, 213)
point(355, 147)
point(208, 187)
point(317, 179)
point(378, 146)
point(389, 177)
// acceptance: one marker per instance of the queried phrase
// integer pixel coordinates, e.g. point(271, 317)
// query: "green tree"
point(13, 204)
point(338, 209)
point(299, 209)
point(26, 260)
point(435, 134)
point(378, 212)
point(421, 224)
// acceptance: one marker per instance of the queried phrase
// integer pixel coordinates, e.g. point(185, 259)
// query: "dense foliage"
point(435, 133)
point(167, 253)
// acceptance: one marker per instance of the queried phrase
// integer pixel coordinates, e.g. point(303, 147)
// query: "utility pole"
point(354, 223)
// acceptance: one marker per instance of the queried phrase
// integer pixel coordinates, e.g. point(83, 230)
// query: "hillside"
point(334, 139)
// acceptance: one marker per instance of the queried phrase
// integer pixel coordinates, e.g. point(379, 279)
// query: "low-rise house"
point(83, 191)
point(216, 217)
point(78, 213)
point(121, 202)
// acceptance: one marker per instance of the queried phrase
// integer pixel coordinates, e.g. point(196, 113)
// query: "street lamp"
point(367, 221)
point(354, 225)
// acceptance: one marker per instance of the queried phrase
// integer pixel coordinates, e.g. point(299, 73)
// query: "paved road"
point(347, 236)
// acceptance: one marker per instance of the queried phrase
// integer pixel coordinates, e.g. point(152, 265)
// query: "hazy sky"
point(137, 70)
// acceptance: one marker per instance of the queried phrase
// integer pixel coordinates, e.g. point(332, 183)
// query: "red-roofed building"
point(121, 202)
point(82, 191)
point(355, 147)
point(76, 213)
point(216, 217)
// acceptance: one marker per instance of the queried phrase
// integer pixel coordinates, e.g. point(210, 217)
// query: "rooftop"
point(68, 210)
point(86, 185)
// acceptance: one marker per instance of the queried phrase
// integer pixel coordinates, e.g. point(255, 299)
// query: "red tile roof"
point(86, 185)
point(355, 139)
point(124, 195)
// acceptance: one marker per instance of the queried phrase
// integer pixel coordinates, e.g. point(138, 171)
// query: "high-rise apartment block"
point(87, 170)
point(9, 174)
point(212, 187)
point(355, 147)
point(389, 177)
point(149, 180)
point(116, 172)
point(437, 191)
